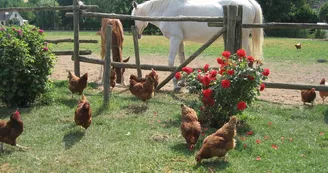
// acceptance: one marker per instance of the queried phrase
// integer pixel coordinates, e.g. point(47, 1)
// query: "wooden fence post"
point(136, 50)
point(107, 65)
point(76, 22)
point(238, 41)
point(225, 21)
point(231, 28)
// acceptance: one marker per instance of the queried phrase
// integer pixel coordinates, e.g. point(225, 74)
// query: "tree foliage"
point(323, 12)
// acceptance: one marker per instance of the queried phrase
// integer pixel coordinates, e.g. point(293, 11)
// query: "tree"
point(323, 12)
point(280, 10)
point(47, 19)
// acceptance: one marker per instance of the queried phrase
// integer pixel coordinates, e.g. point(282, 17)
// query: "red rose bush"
point(227, 89)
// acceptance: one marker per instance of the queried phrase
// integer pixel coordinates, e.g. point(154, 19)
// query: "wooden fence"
point(231, 24)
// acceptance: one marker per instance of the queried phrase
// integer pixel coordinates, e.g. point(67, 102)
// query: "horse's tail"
point(257, 33)
point(103, 37)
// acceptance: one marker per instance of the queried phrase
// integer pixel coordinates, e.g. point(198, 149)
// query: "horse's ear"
point(134, 4)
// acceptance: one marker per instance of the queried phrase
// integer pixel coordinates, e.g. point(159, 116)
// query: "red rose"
point(226, 54)
point(208, 101)
point(207, 93)
point(250, 58)
point(45, 49)
point(241, 53)
point(250, 77)
point(200, 77)
point(199, 70)
point(266, 72)
point(41, 31)
point(241, 105)
point(213, 73)
point(188, 70)
point(223, 65)
point(262, 86)
point(231, 72)
point(220, 60)
point(221, 71)
point(206, 66)
point(206, 80)
point(178, 75)
point(225, 83)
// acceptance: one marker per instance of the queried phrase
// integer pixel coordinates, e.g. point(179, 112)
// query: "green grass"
point(275, 49)
point(131, 136)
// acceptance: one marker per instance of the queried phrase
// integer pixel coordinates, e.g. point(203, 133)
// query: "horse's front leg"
point(174, 45)
point(182, 58)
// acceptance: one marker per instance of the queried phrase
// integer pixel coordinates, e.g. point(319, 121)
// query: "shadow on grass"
point(100, 110)
point(325, 114)
point(71, 103)
point(136, 108)
point(7, 151)
point(71, 138)
point(213, 165)
point(172, 122)
point(182, 148)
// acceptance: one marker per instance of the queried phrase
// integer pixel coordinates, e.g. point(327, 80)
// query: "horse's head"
point(139, 25)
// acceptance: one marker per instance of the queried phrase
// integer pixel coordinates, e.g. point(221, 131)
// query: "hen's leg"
point(22, 147)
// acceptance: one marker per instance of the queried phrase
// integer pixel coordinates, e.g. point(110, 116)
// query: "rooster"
point(190, 127)
point(308, 96)
point(220, 142)
point(10, 130)
point(323, 94)
point(76, 84)
point(83, 113)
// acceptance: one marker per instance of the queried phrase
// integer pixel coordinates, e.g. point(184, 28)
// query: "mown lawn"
point(131, 136)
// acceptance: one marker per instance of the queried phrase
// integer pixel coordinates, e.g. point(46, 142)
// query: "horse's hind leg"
point(174, 45)
point(182, 58)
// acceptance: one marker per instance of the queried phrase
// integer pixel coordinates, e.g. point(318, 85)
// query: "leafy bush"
point(320, 34)
point(25, 63)
point(228, 90)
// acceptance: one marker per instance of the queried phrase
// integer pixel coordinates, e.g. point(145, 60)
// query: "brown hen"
point(190, 127)
point(308, 96)
point(323, 94)
point(10, 130)
point(142, 90)
point(83, 113)
point(76, 84)
point(220, 142)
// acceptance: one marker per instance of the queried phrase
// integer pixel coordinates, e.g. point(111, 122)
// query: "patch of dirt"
point(285, 72)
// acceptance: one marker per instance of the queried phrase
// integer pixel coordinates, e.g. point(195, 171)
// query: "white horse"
point(177, 32)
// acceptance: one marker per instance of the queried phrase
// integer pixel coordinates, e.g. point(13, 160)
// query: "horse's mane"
point(157, 5)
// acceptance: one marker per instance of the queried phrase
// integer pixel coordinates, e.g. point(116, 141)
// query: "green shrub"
point(25, 62)
point(320, 34)
point(227, 91)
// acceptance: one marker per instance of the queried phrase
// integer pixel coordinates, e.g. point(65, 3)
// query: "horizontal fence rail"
point(70, 40)
point(295, 86)
point(274, 25)
point(147, 18)
point(133, 66)
point(47, 8)
point(69, 52)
